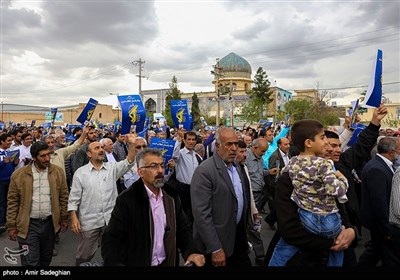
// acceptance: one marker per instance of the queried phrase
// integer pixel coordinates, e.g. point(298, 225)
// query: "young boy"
point(316, 185)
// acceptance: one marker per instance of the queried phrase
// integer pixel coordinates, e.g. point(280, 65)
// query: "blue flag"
point(203, 121)
point(88, 111)
point(180, 114)
point(144, 133)
point(360, 127)
point(133, 113)
point(166, 146)
point(373, 97)
point(53, 114)
point(354, 112)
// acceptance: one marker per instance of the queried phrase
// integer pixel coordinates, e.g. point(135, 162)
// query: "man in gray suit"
point(221, 205)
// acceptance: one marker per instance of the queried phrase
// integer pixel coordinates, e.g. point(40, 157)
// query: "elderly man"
point(279, 159)
point(132, 175)
point(93, 195)
point(257, 173)
point(220, 232)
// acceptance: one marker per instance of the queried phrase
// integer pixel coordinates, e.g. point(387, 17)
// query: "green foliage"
point(391, 121)
point(303, 109)
point(195, 110)
point(172, 94)
point(299, 109)
point(213, 120)
point(251, 110)
point(260, 93)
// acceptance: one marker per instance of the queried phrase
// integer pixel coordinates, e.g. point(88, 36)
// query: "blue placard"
point(88, 111)
point(166, 146)
point(180, 114)
point(13, 155)
point(133, 113)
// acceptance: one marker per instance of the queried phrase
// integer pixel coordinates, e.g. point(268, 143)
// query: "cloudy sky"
point(56, 53)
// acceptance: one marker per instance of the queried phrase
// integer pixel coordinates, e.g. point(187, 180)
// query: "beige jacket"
point(20, 198)
point(60, 155)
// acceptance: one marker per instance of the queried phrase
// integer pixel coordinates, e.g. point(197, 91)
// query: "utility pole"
point(217, 75)
point(231, 102)
point(139, 63)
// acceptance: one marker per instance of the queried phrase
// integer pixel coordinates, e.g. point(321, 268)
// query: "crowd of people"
point(113, 191)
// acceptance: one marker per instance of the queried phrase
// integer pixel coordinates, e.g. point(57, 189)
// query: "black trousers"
point(240, 256)
point(39, 241)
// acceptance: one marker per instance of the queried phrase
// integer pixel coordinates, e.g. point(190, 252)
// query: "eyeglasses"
point(154, 166)
point(140, 147)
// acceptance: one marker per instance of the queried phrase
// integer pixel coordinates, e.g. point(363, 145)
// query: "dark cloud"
point(87, 46)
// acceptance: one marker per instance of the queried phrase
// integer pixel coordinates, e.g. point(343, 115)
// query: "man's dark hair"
point(37, 147)
point(76, 129)
point(4, 136)
point(331, 134)
point(242, 144)
point(303, 130)
point(191, 133)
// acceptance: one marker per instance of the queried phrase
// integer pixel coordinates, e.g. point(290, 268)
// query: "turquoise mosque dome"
point(234, 63)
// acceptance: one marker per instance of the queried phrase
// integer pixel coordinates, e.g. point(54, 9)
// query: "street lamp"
point(116, 94)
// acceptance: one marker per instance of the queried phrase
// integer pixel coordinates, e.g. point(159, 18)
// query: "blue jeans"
point(328, 226)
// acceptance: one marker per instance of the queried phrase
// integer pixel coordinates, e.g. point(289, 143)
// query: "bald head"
point(260, 146)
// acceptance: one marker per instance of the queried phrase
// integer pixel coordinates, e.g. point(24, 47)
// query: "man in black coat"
point(376, 189)
point(313, 249)
point(147, 225)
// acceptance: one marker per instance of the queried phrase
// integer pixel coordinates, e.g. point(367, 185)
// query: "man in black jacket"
point(147, 225)
point(313, 249)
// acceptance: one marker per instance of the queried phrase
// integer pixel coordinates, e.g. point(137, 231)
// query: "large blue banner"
point(133, 113)
point(166, 146)
point(88, 111)
point(373, 96)
point(180, 114)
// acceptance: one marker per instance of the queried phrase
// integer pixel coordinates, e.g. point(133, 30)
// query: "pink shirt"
point(160, 222)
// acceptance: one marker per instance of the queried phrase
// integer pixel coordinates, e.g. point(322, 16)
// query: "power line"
point(350, 87)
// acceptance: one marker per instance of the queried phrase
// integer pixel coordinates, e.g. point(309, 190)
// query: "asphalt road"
point(69, 242)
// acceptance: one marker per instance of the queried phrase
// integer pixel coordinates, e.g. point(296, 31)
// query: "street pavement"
point(69, 242)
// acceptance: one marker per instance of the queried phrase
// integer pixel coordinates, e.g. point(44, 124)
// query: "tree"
point(324, 97)
point(172, 94)
point(391, 121)
point(304, 109)
point(261, 93)
point(251, 111)
point(195, 109)
point(299, 109)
